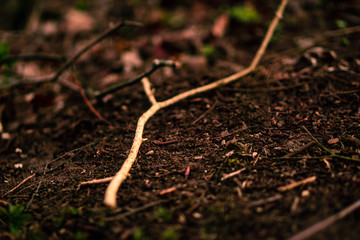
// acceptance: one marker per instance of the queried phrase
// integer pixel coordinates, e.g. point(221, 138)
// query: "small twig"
point(352, 139)
point(156, 65)
point(4, 203)
point(299, 150)
point(327, 222)
point(72, 151)
point(88, 103)
point(318, 143)
point(46, 57)
point(206, 112)
point(232, 174)
point(101, 37)
point(260, 202)
point(21, 183)
point(54, 76)
point(33, 196)
point(319, 157)
point(45, 171)
point(149, 93)
point(340, 32)
point(270, 89)
point(96, 181)
point(296, 184)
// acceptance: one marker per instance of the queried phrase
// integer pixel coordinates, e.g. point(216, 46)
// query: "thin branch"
point(72, 60)
point(96, 181)
point(47, 57)
point(260, 202)
point(299, 150)
point(88, 103)
point(232, 174)
point(147, 87)
point(157, 63)
point(332, 156)
point(327, 222)
point(54, 76)
point(112, 189)
point(21, 183)
point(45, 171)
point(340, 32)
point(204, 114)
point(296, 184)
point(33, 196)
point(318, 143)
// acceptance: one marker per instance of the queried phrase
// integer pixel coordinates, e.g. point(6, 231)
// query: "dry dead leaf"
point(333, 141)
point(131, 60)
point(220, 26)
point(76, 21)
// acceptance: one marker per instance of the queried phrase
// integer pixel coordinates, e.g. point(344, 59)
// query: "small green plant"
point(15, 218)
point(208, 50)
point(170, 234)
point(65, 211)
point(81, 5)
point(277, 33)
point(163, 214)
point(80, 235)
point(139, 235)
point(72, 210)
point(4, 50)
point(341, 23)
point(234, 162)
point(245, 14)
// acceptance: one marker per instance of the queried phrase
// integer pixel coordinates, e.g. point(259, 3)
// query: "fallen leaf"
point(333, 141)
point(76, 21)
point(131, 60)
point(220, 26)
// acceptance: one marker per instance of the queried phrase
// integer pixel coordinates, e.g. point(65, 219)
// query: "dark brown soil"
point(306, 89)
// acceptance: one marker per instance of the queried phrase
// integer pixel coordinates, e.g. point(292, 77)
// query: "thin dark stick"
point(33, 196)
point(52, 161)
point(156, 65)
point(72, 60)
point(54, 76)
point(318, 143)
point(86, 100)
point(47, 57)
point(297, 151)
point(326, 222)
point(206, 112)
point(21, 183)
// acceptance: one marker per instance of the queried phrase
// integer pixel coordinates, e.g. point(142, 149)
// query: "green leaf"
point(4, 50)
point(341, 23)
point(245, 14)
point(208, 50)
point(163, 214)
point(81, 5)
point(170, 234)
point(15, 218)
